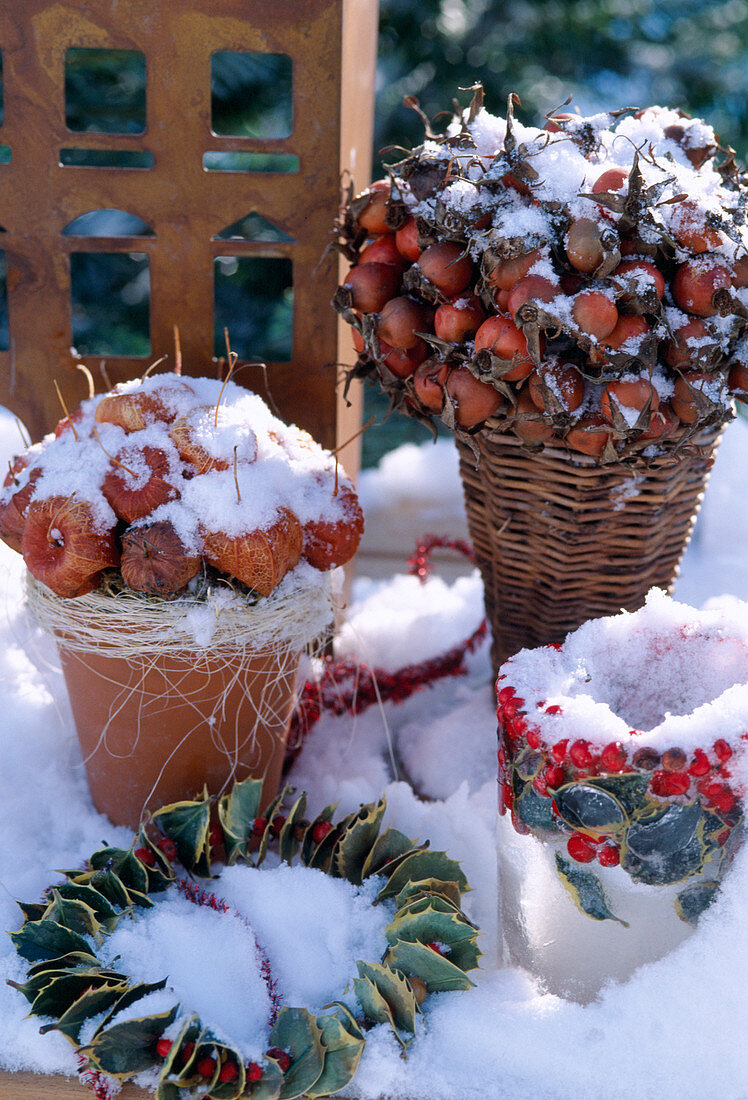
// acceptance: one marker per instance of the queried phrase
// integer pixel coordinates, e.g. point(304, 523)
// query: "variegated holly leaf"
point(124, 864)
point(288, 845)
point(375, 1006)
point(437, 973)
point(45, 939)
point(389, 846)
point(270, 1084)
point(32, 910)
point(296, 1031)
point(428, 887)
point(342, 1054)
point(270, 813)
point(585, 890)
point(535, 810)
point(590, 808)
point(237, 811)
point(174, 1065)
point(343, 1013)
point(69, 961)
point(187, 824)
point(423, 864)
point(161, 874)
point(322, 856)
point(91, 1003)
point(105, 912)
point(357, 840)
point(396, 992)
point(694, 900)
point(127, 1048)
point(435, 921)
point(132, 994)
point(76, 915)
point(61, 993)
point(107, 884)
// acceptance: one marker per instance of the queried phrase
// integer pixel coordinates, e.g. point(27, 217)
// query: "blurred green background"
point(606, 54)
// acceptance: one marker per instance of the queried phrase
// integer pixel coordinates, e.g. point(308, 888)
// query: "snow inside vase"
point(622, 760)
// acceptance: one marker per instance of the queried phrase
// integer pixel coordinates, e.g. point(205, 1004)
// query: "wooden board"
point(32, 1086)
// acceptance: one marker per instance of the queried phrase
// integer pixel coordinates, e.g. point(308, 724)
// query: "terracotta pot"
point(156, 730)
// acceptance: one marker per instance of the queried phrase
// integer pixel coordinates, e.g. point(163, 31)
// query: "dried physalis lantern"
point(155, 560)
point(330, 543)
point(65, 547)
point(260, 558)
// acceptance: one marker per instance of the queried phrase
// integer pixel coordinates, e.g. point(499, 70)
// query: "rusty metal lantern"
point(331, 45)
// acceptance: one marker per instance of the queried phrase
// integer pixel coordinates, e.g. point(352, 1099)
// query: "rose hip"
point(459, 318)
point(508, 273)
point(590, 435)
point(565, 382)
point(633, 394)
point(428, 383)
point(473, 401)
point(373, 217)
point(406, 239)
point(594, 313)
point(533, 288)
point(446, 267)
point(613, 179)
point(584, 246)
point(400, 319)
point(504, 339)
point(696, 282)
point(372, 286)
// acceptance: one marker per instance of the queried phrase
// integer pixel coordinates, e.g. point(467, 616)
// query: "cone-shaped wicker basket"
point(560, 539)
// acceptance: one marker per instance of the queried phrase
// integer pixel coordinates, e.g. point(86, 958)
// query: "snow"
point(673, 1028)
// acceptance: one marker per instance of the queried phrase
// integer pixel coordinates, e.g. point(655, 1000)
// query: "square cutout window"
point(110, 299)
point(254, 302)
point(105, 91)
point(251, 94)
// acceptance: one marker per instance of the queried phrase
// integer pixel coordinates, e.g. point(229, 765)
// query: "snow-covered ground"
point(673, 1029)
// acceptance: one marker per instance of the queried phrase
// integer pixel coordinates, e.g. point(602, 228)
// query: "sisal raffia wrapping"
point(559, 539)
point(169, 697)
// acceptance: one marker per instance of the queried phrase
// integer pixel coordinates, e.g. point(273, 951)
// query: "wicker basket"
point(559, 539)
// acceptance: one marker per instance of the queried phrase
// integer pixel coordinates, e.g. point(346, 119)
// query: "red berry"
point(609, 856)
point(665, 784)
point(554, 708)
point(281, 1057)
point(320, 830)
point(163, 1046)
point(580, 754)
point(254, 1072)
point(277, 824)
point(206, 1067)
point(579, 848)
point(507, 795)
point(145, 855)
point(186, 1052)
point(700, 765)
point(613, 757)
point(215, 836)
point(533, 738)
point(259, 825)
point(722, 750)
point(673, 760)
point(555, 776)
point(229, 1072)
point(724, 801)
point(168, 847)
point(506, 694)
point(435, 947)
point(558, 751)
point(540, 784)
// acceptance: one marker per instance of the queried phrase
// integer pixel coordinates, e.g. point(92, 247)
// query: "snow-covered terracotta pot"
point(172, 697)
point(622, 769)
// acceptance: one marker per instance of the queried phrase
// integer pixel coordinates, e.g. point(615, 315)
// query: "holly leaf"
point(187, 824)
point(270, 1084)
point(585, 890)
point(70, 961)
point(389, 845)
point(62, 992)
point(396, 992)
point(237, 811)
point(32, 910)
point(342, 1054)
point(124, 864)
point(423, 864)
point(89, 1004)
point(127, 1048)
point(438, 974)
point(174, 1065)
point(694, 900)
point(132, 994)
point(99, 904)
point(535, 810)
point(76, 915)
point(590, 808)
point(270, 813)
point(296, 1031)
point(308, 845)
point(433, 921)
point(45, 939)
point(357, 841)
point(107, 885)
point(429, 887)
point(343, 1013)
point(288, 845)
point(375, 1006)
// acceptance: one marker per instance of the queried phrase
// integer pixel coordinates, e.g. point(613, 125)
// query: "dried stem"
point(153, 366)
point(105, 374)
point(177, 351)
point(65, 410)
point(111, 457)
point(233, 357)
point(236, 479)
point(25, 439)
point(91, 384)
